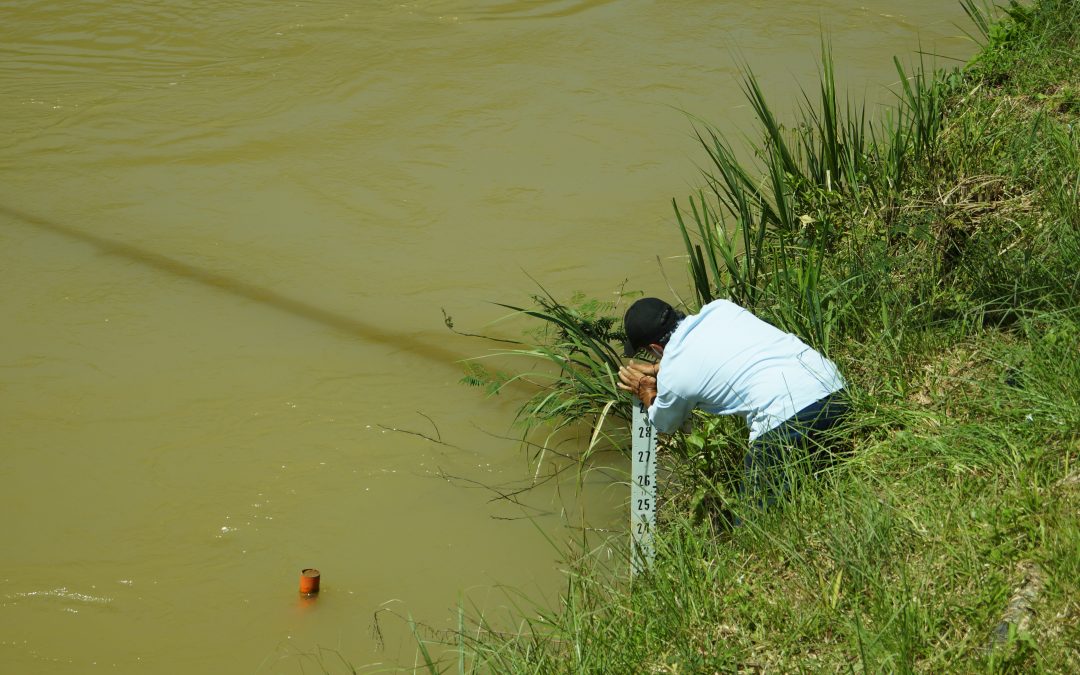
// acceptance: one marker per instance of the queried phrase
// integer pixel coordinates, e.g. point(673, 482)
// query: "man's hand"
point(639, 378)
point(650, 369)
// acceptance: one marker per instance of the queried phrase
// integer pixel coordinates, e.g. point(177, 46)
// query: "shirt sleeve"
point(669, 411)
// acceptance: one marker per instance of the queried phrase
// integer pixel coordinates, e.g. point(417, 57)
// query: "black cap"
point(649, 321)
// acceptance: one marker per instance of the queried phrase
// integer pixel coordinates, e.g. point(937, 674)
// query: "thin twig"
point(420, 435)
point(433, 425)
point(508, 496)
point(449, 321)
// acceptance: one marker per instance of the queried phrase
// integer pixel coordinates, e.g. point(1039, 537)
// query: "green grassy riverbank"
point(933, 254)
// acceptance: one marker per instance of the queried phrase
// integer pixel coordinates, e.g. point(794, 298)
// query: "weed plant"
point(933, 254)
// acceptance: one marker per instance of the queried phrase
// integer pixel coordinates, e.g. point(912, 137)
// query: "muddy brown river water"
point(227, 232)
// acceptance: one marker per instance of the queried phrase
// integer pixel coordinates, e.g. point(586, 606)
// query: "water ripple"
point(62, 594)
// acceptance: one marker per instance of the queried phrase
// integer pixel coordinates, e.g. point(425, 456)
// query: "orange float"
point(309, 581)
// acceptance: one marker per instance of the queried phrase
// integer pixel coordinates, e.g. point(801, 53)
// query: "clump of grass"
point(575, 350)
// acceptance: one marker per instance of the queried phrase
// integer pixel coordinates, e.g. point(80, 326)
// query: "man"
point(726, 361)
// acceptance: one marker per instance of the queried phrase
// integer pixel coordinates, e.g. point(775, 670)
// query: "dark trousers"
point(773, 457)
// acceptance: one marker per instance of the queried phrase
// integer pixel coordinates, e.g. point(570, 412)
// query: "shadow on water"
point(536, 9)
point(241, 289)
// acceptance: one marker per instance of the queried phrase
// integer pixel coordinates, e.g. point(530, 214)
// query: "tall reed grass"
point(767, 236)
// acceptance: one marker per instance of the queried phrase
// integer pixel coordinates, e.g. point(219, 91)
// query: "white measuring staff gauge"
point(642, 489)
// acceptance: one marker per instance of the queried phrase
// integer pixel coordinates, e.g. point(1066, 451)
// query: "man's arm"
point(669, 411)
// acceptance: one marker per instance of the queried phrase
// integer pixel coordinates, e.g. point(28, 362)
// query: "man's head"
point(649, 321)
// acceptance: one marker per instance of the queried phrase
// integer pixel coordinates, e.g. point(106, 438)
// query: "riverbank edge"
point(938, 268)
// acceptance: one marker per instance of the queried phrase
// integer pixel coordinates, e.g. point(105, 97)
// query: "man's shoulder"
point(724, 310)
point(714, 316)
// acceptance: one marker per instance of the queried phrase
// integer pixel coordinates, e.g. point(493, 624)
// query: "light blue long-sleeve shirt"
point(726, 361)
